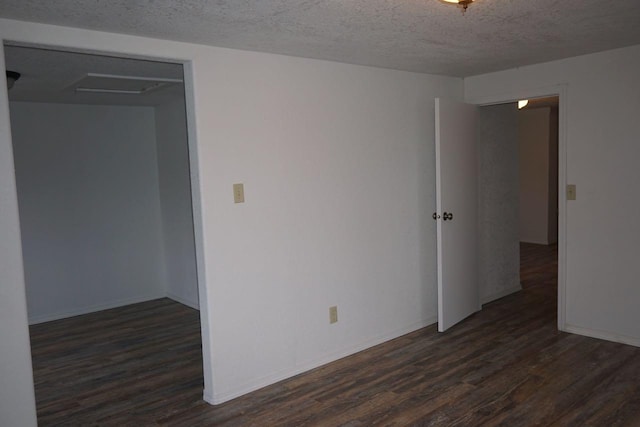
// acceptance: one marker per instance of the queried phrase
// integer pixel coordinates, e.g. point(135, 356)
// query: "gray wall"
point(498, 213)
point(600, 156)
point(175, 201)
point(535, 146)
point(337, 162)
point(89, 207)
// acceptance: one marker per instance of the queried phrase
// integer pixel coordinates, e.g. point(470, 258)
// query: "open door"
point(456, 214)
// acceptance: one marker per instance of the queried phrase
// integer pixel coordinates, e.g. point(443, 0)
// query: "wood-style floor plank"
point(507, 365)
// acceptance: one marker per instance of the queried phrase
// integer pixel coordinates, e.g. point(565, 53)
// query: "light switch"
point(333, 314)
point(571, 192)
point(238, 193)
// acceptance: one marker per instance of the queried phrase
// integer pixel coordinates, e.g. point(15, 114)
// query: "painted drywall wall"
point(175, 202)
point(602, 131)
point(498, 208)
point(533, 137)
point(338, 166)
point(89, 207)
point(17, 399)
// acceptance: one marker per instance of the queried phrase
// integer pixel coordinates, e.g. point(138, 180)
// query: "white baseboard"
point(195, 305)
point(208, 397)
point(93, 308)
point(607, 336)
point(535, 242)
point(216, 399)
point(501, 294)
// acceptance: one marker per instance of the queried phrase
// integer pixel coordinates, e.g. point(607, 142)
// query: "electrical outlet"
point(333, 314)
point(238, 193)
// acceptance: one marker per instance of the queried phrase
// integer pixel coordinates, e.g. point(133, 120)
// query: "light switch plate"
point(571, 192)
point(238, 193)
point(333, 314)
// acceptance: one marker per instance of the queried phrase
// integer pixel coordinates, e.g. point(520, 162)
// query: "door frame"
point(561, 91)
point(96, 48)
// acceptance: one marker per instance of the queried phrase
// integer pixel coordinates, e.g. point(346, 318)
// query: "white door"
point(457, 206)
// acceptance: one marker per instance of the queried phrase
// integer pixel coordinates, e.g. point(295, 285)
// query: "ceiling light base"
point(464, 4)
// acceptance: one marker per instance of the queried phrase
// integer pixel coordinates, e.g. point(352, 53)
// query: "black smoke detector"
point(12, 77)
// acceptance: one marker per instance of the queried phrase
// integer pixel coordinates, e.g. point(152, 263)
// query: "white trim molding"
point(501, 294)
point(193, 304)
point(562, 91)
point(603, 335)
point(259, 383)
point(94, 308)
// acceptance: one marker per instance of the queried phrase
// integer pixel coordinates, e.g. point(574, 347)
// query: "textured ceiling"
point(49, 76)
point(414, 35)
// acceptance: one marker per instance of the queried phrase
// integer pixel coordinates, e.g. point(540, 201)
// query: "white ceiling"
point(414, 35)
point(51, 76)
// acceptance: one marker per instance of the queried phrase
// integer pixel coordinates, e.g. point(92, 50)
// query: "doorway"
point(496, 124)
point(561, 91)
point(519, 200)
point(538, 160)
point(103, 175)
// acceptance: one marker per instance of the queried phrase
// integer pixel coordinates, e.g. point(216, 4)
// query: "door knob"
point(435, 216)
point(447, 216)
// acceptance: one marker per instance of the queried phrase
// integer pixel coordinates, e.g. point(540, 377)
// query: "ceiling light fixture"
point(12, 77)
point(464, 4)
point(523, 103)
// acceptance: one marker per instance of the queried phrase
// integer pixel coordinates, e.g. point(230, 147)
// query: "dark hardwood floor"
point(506, 365)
